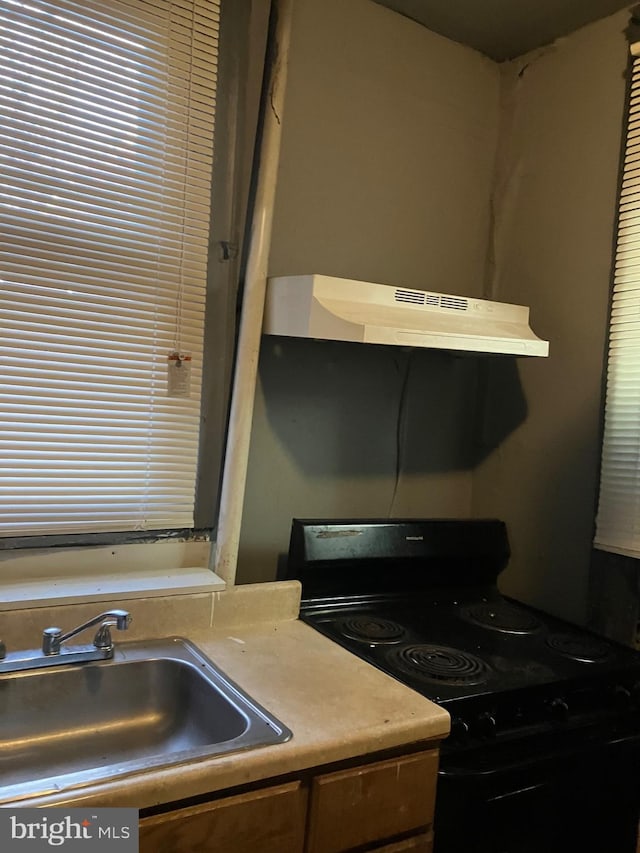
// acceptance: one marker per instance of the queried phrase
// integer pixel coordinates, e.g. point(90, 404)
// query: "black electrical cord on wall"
point(400, 419)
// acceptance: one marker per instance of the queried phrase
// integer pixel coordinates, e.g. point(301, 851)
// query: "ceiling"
point(504, 29)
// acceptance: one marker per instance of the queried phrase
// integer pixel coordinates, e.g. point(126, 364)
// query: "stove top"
point(456, 647)
point(420, 601)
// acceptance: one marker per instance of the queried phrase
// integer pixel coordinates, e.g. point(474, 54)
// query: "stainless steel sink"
point(154, 704)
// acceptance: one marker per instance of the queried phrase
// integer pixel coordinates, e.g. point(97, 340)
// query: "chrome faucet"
point(53, 652)
point(53, 638)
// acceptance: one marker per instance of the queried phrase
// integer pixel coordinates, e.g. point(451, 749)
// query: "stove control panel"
point(611, 705)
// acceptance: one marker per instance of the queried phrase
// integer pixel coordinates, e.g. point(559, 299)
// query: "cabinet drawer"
point(270, 821)
point(371, 803)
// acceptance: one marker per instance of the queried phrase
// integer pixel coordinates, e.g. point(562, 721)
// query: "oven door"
point(521, 799)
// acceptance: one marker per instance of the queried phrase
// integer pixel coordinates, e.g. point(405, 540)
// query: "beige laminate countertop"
point(337, 706)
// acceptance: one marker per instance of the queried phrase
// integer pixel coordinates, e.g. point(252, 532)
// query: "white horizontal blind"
point(106, 138)
point(618, 519)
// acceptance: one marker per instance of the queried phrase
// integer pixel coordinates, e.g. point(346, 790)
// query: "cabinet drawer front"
point(372, 803)
point(270, 821)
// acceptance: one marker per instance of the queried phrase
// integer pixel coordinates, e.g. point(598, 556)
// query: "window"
point(106, 146)
point(618, 519)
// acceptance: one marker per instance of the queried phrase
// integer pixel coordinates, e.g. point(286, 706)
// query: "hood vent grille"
point(416, 297)
point(455, 303)
point(435, 300)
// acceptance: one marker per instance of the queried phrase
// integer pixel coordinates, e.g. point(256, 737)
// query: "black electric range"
point(534, 700)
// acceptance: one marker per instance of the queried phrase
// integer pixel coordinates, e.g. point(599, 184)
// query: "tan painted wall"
point(560, 142)
point(389, 139)
point(386, 174)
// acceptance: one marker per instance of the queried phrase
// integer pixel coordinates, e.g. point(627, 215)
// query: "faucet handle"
point(51, 641)
point(103, 639)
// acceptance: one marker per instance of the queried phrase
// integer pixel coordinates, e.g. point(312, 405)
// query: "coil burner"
point(441, 664)
point(501, 616)
point(371, 629)
point(585, 649)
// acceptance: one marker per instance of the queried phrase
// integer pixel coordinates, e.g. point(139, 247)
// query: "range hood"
point(320, 306)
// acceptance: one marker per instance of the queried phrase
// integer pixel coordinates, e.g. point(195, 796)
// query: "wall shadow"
point(347, 409)
point(343, 430)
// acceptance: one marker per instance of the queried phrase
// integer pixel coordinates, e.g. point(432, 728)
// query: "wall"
point(555, 206)
point(389, 137)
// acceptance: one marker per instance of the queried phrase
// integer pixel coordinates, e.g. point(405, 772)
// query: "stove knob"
point(559, 710)
point(459, 730)
point(486, 725)
point(622, 698)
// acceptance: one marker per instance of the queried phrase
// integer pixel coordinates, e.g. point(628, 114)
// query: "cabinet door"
point(372, 803)
point(271, 820)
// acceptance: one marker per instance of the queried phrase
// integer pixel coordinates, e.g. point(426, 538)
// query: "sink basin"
point(155, 704)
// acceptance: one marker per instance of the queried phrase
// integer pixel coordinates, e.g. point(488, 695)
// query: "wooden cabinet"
point(358, 806)
point(386, 806)
point(270, 820)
